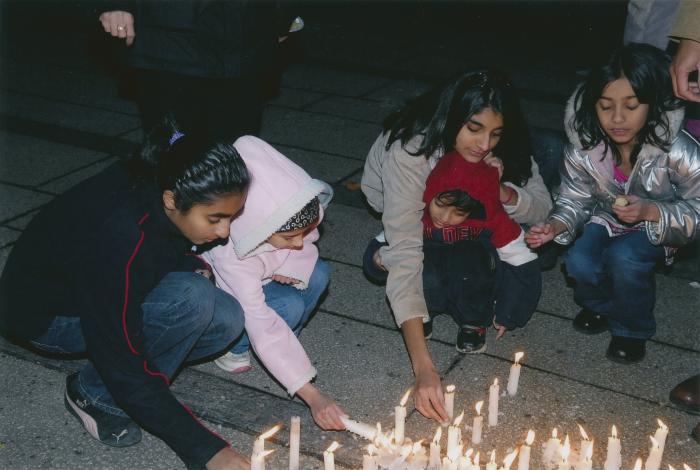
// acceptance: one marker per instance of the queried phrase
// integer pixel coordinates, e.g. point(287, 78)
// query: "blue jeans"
point(615, 277)
point(185, 318)
point(294, 306)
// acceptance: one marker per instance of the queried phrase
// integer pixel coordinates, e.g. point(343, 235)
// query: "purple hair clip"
point(174, 138)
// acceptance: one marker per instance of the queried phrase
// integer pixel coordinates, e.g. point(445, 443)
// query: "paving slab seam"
point(321, 113)
point(306, 106)
point(370, 92)
point(75, 170)
point(332, 94)
point(22, 214)
point(349, 175)
point(306, 149)
point(65, 101)
point(28, 188)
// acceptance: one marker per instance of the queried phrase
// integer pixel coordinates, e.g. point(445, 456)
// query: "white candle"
point(361, 429)
point(294, 437)
point(478, 423)
point(400, 419)
point(329, 458)
point(524, 459)
point(586, 461)
point(476, 465)
point(492, 463)
point(450, 401)
point(514, 376)
point(493, 403)
point(638, 464)
point(686, 467)
point(661, 434)
point(564, 453)
point(508, 461)
point(454, 434)
point(551, 450)
point(585, 443)
point(257, 462)
point(653, 461)
point(613, 461)
point(369, 462)
point(259, 444)
point(434, 459)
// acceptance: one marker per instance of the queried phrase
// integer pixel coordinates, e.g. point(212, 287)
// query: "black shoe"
point(687, 394)
point(471, 340)
point(113, 430)
point(590, 323)
point(428, 329)
point(626, 350)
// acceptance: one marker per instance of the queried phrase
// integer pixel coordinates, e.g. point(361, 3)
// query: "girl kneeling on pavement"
point(107, 268)
point(631, 184)
point(478, 116)
point(271, 267)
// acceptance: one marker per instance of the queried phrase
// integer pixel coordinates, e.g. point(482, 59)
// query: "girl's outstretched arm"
point(428, 395)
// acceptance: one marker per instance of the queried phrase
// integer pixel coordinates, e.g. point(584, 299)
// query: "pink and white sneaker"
point(234, 363)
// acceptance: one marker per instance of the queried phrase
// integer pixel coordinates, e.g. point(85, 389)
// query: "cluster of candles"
point(394, 451)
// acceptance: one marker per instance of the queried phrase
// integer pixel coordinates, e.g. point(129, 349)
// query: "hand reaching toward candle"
point(228, 459)
point(429, 397)
point(326, 412)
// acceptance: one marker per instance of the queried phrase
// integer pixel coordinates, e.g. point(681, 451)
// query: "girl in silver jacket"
point(631, 184)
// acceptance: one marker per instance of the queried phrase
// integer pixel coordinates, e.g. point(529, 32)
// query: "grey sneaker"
point(113, 430)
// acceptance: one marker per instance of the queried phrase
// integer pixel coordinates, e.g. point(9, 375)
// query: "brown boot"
point(687, 394)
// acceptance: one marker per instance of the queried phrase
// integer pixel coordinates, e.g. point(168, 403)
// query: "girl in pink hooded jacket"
point(271, 266)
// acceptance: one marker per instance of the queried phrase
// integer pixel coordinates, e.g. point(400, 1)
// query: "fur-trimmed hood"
point(279, 189)
point(674, 118)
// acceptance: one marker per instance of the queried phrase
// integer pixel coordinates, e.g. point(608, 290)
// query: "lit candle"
point(638, 464)
point(400, 418)
point(492, 463)
point(257, 462)
point(653, 462)
point(661, 434)
point(294, 437)
point(613, 460)
point(476, 465)
point(508, 461)
point(454, 434)
point(671, 467)
point(361, 429)
point(493, 403)
point(586, 461)
point(585, 442)
point(524, 459)
point(329, 458)
point(514, 376)
point(259, 444)
point(368, 460)
point(551, 450)
point(434, 459)
point(478, 423)
point(564, 452)
point(686, 467)
point(450, 400)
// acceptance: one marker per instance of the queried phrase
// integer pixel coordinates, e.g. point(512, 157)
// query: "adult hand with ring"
point(120, 24)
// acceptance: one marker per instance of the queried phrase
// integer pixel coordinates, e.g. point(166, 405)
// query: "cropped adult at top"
point(631, 185)
point(202, 61)
point(397, 166)
point(107, 268)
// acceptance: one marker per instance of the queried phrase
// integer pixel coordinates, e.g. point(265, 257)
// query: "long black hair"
point(646, 68)
point(440, 114)
point(191, 164)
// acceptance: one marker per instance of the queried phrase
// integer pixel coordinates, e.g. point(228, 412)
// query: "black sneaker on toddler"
point(113, 430)
point(471, 340)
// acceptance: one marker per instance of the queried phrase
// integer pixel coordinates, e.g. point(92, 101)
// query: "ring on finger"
point(121, 28)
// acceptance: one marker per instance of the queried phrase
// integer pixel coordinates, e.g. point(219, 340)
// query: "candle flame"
point(438, 435)
point(530, 437)
point(554, 433)
point(468, 453)
point(478, 406)
point(671, 467)
point(638, 464)
point(458, 419)
point(614, 432)
point(588, 456)
point(493, 456)
point(404, 399)
point(584, 435)
point(264, 453)
point(565, 449)
point(270, 432)
point(371, 449)
point(495, 381)
point(476, 459)
point(686, 467)
point(518, 356)
point(508, 461)
point(450, 388)
point(654, 443)
point(661, 424)
point(332, 448)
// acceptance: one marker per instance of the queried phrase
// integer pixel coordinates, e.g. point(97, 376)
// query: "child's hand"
point(500, 329)
point(378, 261)
point(284, 279)
point(637, 210)
point(539, 234)
point(494, 161)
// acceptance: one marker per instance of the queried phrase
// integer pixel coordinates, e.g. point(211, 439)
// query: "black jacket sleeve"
point(119, 271)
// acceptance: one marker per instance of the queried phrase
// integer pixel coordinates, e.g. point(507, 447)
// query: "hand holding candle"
point(478, 423)
point(514, 376)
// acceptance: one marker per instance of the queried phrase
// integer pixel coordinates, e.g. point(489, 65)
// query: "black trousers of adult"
point(226, 108)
